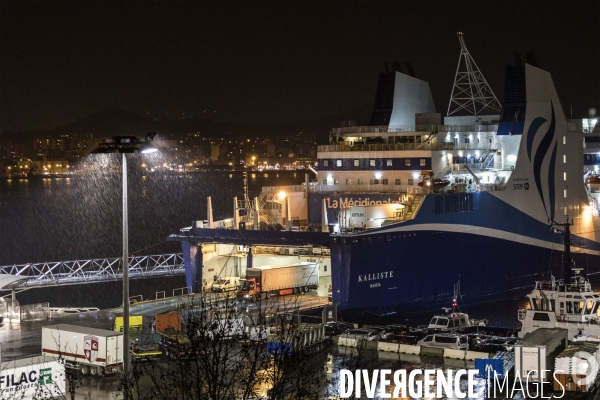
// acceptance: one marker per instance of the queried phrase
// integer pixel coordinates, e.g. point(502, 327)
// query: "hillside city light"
point(125, 145)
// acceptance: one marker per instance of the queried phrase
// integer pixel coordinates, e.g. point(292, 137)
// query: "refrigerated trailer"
point(92, 351)
point(36, 377)
point(535, 353)
point(267, 281)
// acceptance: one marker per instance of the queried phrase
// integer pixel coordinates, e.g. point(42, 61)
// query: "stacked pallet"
point(576, 367)
point(586, 338)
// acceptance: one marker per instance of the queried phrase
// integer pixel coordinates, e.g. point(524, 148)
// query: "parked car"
point(489, 331)
point(384, 331)
point(411, 338)
point(397, 329)
point(333, 329)
point(337, 328)
point(476, 340)
point(445, 341)
point(346, 325)
point(478, 335)
point(361, 334)
point(496, 344)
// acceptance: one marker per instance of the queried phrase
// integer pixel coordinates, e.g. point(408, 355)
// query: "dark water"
point(62, 219)
point(51, 219)
point(502, 312)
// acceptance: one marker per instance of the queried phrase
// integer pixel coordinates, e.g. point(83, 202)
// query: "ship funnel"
point(531, 59)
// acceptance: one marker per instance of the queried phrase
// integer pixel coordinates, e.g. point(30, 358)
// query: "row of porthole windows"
point(361, 181)
point(388, 163)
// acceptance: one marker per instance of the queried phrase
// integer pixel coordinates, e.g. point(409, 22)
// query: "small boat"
point(453, 319)
point(427, 181)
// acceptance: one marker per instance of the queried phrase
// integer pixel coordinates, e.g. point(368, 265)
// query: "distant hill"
point(113, 122)
point(106, 123)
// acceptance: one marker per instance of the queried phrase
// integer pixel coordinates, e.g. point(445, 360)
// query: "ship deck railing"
point(406, 146)
point(564, 287)
point(543, 285)
point(425, 128)
point(276, 190)
point(398, 190)
point(577, 126)
point(573, 126)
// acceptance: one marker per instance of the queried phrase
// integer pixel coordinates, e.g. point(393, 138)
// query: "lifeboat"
point(592, 180)
point(429, 182)
point(434, 183)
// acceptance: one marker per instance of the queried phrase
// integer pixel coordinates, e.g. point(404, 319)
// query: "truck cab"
point(248, 289)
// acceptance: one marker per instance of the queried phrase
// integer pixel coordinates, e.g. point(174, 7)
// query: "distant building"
point(72, 147)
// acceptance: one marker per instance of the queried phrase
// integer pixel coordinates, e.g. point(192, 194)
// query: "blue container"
point(279, 348)
point(483, 365)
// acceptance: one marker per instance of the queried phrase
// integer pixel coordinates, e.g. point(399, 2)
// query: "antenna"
point(567, 262)
point(455, 299)
point(471, 91)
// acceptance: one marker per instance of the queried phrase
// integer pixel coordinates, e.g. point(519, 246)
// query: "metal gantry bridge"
point(95, 270)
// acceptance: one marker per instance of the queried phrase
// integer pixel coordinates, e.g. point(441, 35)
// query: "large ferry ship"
point(411, 203)
point(502, 181)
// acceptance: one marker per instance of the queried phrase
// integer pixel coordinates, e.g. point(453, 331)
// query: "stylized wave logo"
point(539, 156)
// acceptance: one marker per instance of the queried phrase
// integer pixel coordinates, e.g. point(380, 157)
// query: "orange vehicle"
point(171, 320)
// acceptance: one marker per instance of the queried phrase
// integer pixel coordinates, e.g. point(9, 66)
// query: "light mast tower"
point(471, 91)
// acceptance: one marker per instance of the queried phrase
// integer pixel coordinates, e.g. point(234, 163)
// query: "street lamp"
point(125, 145)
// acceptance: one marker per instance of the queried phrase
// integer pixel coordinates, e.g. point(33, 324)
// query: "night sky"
point(271, 61)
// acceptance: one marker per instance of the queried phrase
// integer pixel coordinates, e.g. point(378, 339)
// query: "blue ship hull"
point(495, 250)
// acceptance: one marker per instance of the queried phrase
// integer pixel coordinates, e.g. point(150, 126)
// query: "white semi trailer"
point(36, 377)
point(267, 281)
point(92, 351)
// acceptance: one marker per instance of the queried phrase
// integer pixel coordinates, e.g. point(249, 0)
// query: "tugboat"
point(569, 304)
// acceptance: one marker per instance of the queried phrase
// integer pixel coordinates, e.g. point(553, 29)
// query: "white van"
point(226, 284)
point(445, 341)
